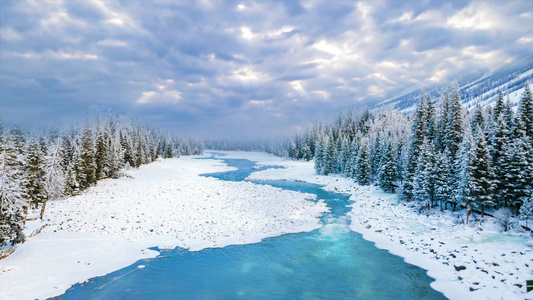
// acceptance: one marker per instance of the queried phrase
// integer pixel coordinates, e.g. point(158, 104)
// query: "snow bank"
point(166, 204)
point(466, 263)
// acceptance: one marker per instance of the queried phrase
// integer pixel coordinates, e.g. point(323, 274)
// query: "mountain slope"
point(483, 90)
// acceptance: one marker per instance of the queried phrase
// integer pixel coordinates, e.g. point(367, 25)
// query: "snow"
point(497, 263)
point(166, 204)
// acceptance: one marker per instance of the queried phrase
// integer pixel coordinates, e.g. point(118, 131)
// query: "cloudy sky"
point(241, 68)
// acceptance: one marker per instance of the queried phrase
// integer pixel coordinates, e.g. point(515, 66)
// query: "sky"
point(241, 69)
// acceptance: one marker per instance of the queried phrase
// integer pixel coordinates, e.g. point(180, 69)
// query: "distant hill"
point(482, 90)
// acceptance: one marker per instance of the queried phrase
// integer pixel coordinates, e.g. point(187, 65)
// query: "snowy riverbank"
point(466, 262)
point(166, 204)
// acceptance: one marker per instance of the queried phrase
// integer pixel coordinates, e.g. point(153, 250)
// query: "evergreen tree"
point(431, 124)
point(11, 213)
point(418, 132)
point(354, 150)
point(526, 210)
point(519, 172)
point(100, 155)
point(499, 107)
point(345, 156)
point(525, 111)
point(388, 173)
point(364, 168)
point(424, 179)
point(478, 120)
point(86, 167)
point(319, 155)
point(34, 186)
point(55, 178)
point(444, 175)
point(454, 128)
point(480, 187)
point(500, 161)
point(442, 125)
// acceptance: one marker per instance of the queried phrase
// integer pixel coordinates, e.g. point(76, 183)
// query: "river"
point(331, 262)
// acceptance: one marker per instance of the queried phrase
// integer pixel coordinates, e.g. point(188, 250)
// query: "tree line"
point(52, 164)
point(439, 155)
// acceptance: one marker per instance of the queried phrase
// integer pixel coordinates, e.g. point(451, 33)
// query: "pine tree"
point(519, 171)
point(480, 187)
point(431, 124)
point(478, 120)
point(500, 161)
point(388, 173)
point(34, 186)
point(424, 179)
point(418, 131)
point(454, 128)
point(100, 155)
point(354, 150)
point(364, 168)
point(442, 125)
point(499, 107)
point(526, 210)
point(11, 213)
point(86, 167)
point(319, 155)
point(345, 156)
point(444, 175)
point(525, 111)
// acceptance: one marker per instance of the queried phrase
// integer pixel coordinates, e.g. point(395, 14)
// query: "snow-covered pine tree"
point(431, 124)
point(454, 129)
point(376, 152)
point(54, 177)
point(388, 173)
point(354, 149)
point(480, 187)
point(345, 155)
point(329, 154)
point(460, 170)
point(525, 111)
point(442, 123)
point(500, 146)
point(319, 154)
point(478, 120)
point(11, 201)
point(86, 167)
point(418, 132)
point(526, 210)
point(519, 167)
point(499, 107)
point(101, 143)
point(34, 186)
point(364, 169)
point(443, 175)
point(424, 179)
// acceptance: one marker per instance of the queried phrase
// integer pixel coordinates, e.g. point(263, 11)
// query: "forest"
point(438, 156)
point(37, 166)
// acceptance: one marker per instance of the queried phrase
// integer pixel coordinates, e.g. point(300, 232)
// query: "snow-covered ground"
point(467, 263)
point(166, 204)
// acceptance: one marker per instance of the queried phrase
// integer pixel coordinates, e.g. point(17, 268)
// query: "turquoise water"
point(328, 263)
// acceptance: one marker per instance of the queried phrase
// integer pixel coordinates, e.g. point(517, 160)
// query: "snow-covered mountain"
point(482, 90)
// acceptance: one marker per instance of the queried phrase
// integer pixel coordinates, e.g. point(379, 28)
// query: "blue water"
point(328, 263)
